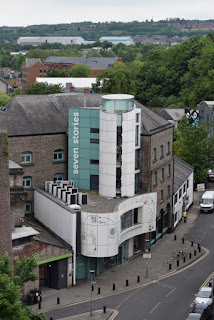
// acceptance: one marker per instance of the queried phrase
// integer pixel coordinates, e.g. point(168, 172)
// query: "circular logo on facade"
point(112, 231)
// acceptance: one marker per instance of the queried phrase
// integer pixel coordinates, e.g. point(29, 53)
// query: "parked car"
point(193, 316)
point(204, 296)
point(205, 311)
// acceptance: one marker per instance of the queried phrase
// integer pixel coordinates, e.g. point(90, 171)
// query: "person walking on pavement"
point(185, 216)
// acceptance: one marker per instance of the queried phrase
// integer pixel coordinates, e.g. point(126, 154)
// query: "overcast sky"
point(29, 12)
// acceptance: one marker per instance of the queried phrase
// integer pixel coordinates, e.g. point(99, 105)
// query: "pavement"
point(138, 271)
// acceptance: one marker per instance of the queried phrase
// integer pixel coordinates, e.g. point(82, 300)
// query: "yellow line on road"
point(136, 287)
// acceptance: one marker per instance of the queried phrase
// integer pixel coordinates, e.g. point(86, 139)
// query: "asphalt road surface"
point(169, 298)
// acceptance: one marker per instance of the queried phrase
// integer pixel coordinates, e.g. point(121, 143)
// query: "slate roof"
point(48, 114)
point(43, 114)
point(173, 114)
point(182, 171)
point(152, 122)
point(93, 62)
point(30, 62)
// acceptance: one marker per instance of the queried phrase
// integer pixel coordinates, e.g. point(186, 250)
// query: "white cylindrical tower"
point(117, 145)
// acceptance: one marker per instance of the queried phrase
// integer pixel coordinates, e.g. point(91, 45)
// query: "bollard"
point(170, 266)
point(191, 243)
point(199, 249)
point(182, 240)
point(184, 259)
point(104, 309)
point(58, 301)
point(195, 252)
point(40, 305)
point(175, 237)
point(51, 318)
point(113, 287)
point(127, 283)
point(98, 291)
point(138, 278)
point(198, 245)
point(190, 255)
point(177, 263)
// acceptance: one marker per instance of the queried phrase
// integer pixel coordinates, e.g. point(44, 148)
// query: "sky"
point(31, 12)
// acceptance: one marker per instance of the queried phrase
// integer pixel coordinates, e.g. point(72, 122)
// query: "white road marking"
point(155, 307)
point(170, 292)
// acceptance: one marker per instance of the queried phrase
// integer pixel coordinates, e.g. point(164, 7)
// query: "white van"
point(207, 202)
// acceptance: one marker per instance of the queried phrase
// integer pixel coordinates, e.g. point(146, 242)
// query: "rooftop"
point(182, 171)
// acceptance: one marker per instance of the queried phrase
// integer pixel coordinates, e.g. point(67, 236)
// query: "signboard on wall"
point(193, 116)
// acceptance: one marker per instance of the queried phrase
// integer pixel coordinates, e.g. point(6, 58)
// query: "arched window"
point(58, 155)
point(27, 182)
point(26, 157)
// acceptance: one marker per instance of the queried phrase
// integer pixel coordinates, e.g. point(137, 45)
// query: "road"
point(168, 298)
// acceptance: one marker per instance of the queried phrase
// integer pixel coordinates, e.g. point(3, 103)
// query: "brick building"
point(96, 64)
point(156, 158)
point(5, 225)
point(32, 68)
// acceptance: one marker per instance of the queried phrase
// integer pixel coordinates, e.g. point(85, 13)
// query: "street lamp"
point(92, 278)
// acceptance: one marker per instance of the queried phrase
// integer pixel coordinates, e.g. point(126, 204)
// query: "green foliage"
point(10, 289)
point(24, 270)
point(43, 88)
point(195, 147)
point(79, 71)
point(4, 98)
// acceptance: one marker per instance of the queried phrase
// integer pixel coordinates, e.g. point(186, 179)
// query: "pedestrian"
point(185, 216)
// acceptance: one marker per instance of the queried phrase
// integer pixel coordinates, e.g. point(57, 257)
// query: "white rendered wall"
point(178, 207)
point(128, 154)
point(107, 154)
point(101, 232)
point(61, 221)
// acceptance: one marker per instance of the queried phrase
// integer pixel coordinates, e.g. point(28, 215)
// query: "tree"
point(194, 146)
point(4, 98)
point(10, 289)
point(79, 71)
point(43, 88)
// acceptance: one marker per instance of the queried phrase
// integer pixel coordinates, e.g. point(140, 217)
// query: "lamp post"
point(92, 274)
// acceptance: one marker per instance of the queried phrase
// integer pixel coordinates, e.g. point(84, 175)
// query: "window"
point(58, 155)
point(58, 177)
point(180, 193)
point(40, 70)
point(28, 206)
point(137, 129)
point(187, 183)
point(94, 130)
point(137, 117)
point(161, 151)
point(169, 169)
point(135, 215)
point(154, 154)
point(184, 188)
point(27, 182)
point(176, 198)
point(92, 161)
point(44, 70)
point(161, 195)
point(162, 174)
point(94, 141)
point(168, 190)
point(137, 162)
point(26, 157)
point(168, 147)
point(155, 178)
point(175, 217)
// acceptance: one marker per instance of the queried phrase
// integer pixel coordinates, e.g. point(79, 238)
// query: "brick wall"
point(46, 251)
point(43, 166)
point(5, 220)
point(149, 167)
point(29, 74)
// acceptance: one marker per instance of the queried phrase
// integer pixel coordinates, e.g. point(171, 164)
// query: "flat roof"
point(23, 232)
